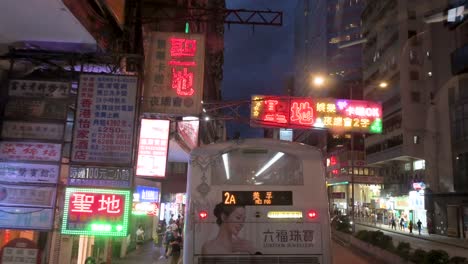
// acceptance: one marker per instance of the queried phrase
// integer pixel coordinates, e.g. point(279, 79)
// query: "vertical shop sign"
point(104, 120)
point(152, 149)
point(174, 79)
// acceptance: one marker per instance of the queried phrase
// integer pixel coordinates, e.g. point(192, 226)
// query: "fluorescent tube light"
point(269, 163)
point(226, 164)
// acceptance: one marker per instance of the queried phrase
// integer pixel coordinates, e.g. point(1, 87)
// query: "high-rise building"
point(421, 152)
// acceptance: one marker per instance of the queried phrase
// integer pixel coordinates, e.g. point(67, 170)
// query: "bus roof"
point(294, 148)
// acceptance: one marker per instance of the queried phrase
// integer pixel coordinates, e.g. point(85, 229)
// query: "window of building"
point(419, 165)
point(416, 139)
point(407, 166)
point(415, 97)
point(414, 75)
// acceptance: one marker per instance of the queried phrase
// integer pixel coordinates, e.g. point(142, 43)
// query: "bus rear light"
point(203, 215)
point(312, 214)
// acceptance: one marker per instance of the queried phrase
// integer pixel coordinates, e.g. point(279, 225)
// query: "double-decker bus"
point(256, 201)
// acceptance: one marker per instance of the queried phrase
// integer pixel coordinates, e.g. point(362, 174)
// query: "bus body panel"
point(302, 240)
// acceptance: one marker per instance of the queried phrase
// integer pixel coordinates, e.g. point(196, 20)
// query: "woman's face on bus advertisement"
point(235, 221)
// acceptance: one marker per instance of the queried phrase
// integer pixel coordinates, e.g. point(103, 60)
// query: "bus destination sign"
point(257, 197)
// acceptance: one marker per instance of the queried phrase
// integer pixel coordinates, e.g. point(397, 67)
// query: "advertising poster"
point(174, 73)
point(153, 147)
point(20, 251)
point(96, 212)
point(105, 114)
point(188, 131)
point(32, 130)
point(30, 151)
point(15, 172)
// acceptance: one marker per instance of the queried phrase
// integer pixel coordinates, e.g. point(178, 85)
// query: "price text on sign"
point(257, 198)
point(96, 212)
point(340, 115)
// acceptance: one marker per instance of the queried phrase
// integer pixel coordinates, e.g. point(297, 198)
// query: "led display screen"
point(98, 212)
point(257, 198)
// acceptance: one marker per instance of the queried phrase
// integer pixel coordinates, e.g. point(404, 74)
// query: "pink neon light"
point(302, 113)
point(182, 82)
point(182, 63)
point(271, 104)
point(181, 47)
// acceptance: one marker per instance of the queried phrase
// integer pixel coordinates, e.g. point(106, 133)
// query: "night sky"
point(257, 60)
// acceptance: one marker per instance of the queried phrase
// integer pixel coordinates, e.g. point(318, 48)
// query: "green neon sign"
point(97, 212)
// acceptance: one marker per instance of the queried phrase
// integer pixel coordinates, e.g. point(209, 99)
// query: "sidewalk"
point(450, 241)
point(147, 254)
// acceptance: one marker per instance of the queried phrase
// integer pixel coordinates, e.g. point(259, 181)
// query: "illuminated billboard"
point(152, 148)
point(98, 212)
point(338, 115)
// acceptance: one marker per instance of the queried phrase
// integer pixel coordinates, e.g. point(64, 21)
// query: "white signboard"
point(29, 172)
point(30, 151)
point(32, 88)
point(104, 119)
point(27, 196)
point(174, 73)
point(31, 130)
point(152, 149)
point(26, 218)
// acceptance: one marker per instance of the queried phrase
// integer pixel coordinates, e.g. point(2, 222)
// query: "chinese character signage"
point(145, 208)
point(32, 88)
point(104, 119)
point(14, 172)
point(338, 115)
point(100, 177)
point(146, 194)
point(174, 73)
point(26, 218)
point(20, 251)
point(30, 151)
point(32, 196)
point(96, 212)
point(19, 108)
point(31, 130)
point(257, 197)
point(153, 147)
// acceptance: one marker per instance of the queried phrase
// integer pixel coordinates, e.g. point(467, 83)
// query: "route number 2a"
point(229, 198)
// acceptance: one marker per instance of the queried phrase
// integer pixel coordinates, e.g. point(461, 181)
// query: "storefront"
point(173, 207)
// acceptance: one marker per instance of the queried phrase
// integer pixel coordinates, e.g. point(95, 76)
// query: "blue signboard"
point(146, 194)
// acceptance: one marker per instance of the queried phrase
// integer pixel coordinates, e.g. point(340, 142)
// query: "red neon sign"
point(182, 52)
point(96, 204)
point(339, 115)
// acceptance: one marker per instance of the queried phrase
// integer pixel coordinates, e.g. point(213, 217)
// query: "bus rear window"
point(256, 167)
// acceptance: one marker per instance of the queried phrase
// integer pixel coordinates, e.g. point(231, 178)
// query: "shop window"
point(366, 171)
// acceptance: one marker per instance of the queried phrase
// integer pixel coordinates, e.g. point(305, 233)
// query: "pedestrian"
point(419, 224)
point(168, 236)
point(410, 226)
point(402, 224)
point(393, 222)
point(176, 247)
point(140, 236)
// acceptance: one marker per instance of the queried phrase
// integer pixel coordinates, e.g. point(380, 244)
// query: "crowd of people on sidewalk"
point(170, 239)
point(403, 224)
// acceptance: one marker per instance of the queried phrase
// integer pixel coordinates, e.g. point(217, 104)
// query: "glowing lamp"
point(203, 215)
point(312, 214)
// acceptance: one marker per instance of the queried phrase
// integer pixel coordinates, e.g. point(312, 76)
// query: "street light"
point(318, 80)
point(383, 84)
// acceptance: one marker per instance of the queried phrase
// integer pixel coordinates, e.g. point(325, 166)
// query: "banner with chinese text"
point(102, 212)
point(174, 73)
point(26, 218)
point(31, 196)
point(15, 172)
point(41, 89)
point(153, 147)
point(32, 130)
point(100, 177)
point(104, 123)
point(30, 151)
point(33, 108)
point(339, 115)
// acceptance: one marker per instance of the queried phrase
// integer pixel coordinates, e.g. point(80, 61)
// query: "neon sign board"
point(339, 115)
point(98, 212)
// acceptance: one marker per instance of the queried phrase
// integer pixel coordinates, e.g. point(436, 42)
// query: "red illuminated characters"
point(181, 47)
point(272, 110)
point(182, 82)
point(302, 113)
point(95, 203)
